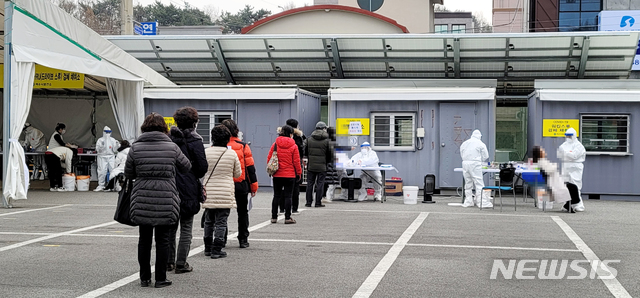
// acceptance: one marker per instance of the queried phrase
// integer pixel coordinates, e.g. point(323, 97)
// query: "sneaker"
point(184, 269)
point(274, 220)
point(289, 221)
point(320, 205)
point(244, 244)
point(218, 254)
point(99, 188)
point(307, 205)
point(295, 212)
point(62, 189)
point(171, 266)
point(53, 189)
point(41, 177)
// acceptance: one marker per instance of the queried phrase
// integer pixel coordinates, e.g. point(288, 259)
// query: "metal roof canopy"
point(310, 61)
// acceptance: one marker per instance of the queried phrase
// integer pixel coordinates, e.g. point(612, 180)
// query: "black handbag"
point(123, 209)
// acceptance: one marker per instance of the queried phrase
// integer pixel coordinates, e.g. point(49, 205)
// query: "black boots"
point(244, 243)
point(216, 250)
point(208, 243)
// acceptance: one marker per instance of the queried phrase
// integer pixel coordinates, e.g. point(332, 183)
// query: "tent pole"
point(6, 93)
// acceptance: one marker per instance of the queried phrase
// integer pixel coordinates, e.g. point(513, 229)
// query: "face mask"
point(63, 131)
point(240, 136)
point(364, 150)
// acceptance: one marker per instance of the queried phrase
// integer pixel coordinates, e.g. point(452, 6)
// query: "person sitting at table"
point(551, 175)
point(368, 158)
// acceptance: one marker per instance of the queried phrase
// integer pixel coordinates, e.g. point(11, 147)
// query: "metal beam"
point(215, 44)
point(584, 56)
point(506, 55)
point(336, 58)
point(155, 51)
point(456, 57)
point(6, 104)
point(571, 48)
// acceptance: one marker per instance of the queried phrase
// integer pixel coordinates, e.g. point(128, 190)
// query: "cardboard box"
point(393, 187)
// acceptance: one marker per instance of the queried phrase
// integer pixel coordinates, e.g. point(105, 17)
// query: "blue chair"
point(535, 179)
point(506, 183)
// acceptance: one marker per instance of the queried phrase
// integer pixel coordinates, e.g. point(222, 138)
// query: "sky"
point(478, 7)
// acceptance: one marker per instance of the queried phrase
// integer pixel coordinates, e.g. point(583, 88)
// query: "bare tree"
point(290, 5)
point(213, 12)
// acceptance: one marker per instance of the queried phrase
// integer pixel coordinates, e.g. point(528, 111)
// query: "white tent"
point(39, 32)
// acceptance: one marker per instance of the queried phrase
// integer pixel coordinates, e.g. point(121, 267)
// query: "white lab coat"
point(474, 152)
point(573, 154)
point(106, 147)
point(369, 159)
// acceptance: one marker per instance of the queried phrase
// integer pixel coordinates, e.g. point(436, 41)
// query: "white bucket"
point(69, 182)
point(543, 200)
point(410, 194)
point(83, 184)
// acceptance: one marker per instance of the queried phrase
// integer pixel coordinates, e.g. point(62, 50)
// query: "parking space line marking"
point(133, 277)
point(322, 241)
point(22, 233)
point(38, 209)
point(5, 248)
point(614, 286)
point(373, 280)
point(435, 212)
point(494, 247)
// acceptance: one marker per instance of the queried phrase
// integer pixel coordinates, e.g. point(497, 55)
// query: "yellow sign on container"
point(557, 127)
point(342, 125)
point(170, 122)
point(50, 78)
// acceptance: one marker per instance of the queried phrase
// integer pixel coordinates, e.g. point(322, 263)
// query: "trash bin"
point(410, 194)
point(83, 183)
point(69, 182)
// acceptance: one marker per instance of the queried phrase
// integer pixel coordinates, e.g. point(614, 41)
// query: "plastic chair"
point(506, 178)
point(535, 179)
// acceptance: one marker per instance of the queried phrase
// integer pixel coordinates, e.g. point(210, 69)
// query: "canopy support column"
point(6, 94)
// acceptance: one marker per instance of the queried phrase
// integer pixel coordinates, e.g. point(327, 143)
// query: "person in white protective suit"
point(572, 154)
point(368, 158)
point(107, 148)
point(474, 152)
point(34, 142)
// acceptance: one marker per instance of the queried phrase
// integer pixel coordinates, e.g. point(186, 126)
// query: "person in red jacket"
point(289, 170)
point(245, 184)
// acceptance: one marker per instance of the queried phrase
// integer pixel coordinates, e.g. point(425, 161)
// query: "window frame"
point(459, 30)
point(442, 32)
point(604, 116)
point(212, 116)
point(392, 146)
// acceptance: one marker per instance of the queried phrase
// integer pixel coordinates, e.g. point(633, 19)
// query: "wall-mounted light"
point(159, 48)
point(572, 67)
point(449, 68)
point(449, 47)
point(391, 68)
point(329, 47)
point(511, 46)
point(278, 69)
point(389, 48)
point(271, 48)
point(509, 68)
point(576, 45)
point(168, 68)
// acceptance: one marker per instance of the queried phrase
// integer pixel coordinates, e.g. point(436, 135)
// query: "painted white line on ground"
point(21, 233)
point(5, 248)
point(136, 276)
point(494, 247)
point(105, 235)
point(614, 286)
point(433, 212)
point(371, 283)
point(322, 241)
point(38, 209)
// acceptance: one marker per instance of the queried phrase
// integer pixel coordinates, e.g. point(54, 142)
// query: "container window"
point(605, 133)
point(393, 131)
point(207, 121)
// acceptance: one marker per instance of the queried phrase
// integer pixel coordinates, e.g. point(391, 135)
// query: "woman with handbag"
point(220, 188)
point(189, 186)
point(287, 173)
point(152, 162)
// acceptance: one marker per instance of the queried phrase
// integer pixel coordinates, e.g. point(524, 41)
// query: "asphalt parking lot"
point(67, 245)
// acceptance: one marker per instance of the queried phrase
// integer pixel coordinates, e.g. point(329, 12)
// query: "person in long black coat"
point(155, 204)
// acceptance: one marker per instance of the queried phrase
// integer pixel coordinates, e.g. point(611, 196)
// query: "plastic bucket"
point(69, 182)
point(410, 195)
point(83, 183)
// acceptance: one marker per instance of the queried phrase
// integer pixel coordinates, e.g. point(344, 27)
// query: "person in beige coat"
point(223, 167)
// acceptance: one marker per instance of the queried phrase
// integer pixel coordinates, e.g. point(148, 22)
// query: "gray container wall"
point(414, 165)
point(603, 174)
point(166, 107)
point(308, 107)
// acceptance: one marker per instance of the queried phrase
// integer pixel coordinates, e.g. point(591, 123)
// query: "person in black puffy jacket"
point(189, 186)
point(155, 204)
